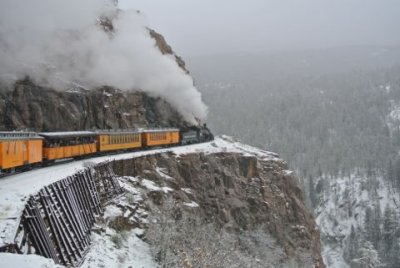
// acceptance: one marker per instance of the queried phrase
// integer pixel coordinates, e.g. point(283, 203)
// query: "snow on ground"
point(119, 250)
point(16, 189)
point(26, 261)
point(122, 248)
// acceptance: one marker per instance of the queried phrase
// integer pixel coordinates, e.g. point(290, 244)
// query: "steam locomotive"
point(25, 150)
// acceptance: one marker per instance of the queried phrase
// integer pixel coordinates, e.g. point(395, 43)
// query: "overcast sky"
point(196, 27)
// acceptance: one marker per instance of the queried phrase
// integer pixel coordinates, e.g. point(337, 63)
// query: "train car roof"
point(67, 134)
point(111, 131)
point(159, 130)
point(16, 135)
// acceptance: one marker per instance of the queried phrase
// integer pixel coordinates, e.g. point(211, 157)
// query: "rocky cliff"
point(33, 107)
point(234, 207)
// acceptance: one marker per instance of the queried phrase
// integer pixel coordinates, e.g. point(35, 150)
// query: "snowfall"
point(16, 189)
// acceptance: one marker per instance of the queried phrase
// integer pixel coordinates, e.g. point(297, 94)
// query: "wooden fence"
point(57, 221)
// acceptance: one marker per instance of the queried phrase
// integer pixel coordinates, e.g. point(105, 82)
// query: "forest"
point(331, 114)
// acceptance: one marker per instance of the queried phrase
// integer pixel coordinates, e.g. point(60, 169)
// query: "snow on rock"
point(191, 204)
point(162, 172)
point(187, 190)
point(112, 211)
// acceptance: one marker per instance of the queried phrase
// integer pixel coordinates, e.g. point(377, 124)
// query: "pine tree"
point(393, 257)
point(390, 173)
point(397, 173)
point(368, 257)
point(352, 245)
point(389, 228)
point(372, 225)
point(376, 222)
point(312, 194)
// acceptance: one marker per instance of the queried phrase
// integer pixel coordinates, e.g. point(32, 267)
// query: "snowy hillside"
point(350, 205)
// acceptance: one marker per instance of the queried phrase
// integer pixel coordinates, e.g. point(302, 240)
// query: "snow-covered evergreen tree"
point(368, 257)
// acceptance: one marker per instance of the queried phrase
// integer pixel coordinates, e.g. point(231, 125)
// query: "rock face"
point(166, 49)
point(225, 210)
point(36, 108)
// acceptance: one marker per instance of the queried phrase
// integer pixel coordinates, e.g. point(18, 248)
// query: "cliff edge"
point(226, 205)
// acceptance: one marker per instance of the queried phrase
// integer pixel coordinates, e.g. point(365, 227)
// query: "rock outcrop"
point(224, 209)
point(166, 49)
point(36, 108)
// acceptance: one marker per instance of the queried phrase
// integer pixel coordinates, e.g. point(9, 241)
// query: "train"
point(20, 151)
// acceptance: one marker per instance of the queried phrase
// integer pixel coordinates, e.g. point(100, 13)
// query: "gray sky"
point(196, 27)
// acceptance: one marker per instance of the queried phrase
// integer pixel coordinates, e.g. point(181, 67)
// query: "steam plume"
point(58, 42)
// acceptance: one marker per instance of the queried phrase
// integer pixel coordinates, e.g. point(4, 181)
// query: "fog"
point(61, 43)
point(205, 27)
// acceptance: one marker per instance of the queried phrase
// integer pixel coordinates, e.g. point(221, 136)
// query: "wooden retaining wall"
point(57, 221)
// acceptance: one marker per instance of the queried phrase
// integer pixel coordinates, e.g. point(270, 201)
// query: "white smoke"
point(59, 42)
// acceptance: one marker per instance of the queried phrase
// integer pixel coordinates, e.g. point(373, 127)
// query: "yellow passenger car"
point(160, 137)
point(18, 149)
point(118, 140)
point(59, 145)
